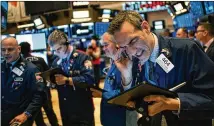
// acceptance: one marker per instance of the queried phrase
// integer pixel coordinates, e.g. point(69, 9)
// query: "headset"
point(66, 42)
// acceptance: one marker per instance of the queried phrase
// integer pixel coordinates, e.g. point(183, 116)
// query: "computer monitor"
point(37, 41)
point(83, 29)
point(159, 24)
point(42, 54)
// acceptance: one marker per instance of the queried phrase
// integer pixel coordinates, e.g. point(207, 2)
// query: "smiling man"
point(167, 62)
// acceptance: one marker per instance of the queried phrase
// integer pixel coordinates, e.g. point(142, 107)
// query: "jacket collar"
point(164, 46)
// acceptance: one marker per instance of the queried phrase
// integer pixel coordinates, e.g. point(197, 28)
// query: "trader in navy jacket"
point(22, 96)
point(167, 62)
point(76, 103)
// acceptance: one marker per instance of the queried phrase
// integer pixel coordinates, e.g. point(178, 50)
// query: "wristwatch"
point(67, 81)
point(27, 114)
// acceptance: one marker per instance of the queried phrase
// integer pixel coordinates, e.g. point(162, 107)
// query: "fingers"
point(154, 98)
point(92, 89)
point(12, 121)
point(131, 104)
point(95, 90)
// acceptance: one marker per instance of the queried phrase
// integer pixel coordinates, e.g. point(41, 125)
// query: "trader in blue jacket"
point(167, 62)
point(21, 96)
point(112, 115)
point(76, 103)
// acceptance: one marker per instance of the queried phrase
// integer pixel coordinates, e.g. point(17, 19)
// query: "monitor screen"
point(81, 14)
point(37, 41)
point(209, 7)
point(4, 11)
point(38, 21)
point(83, 29)
point(159, 24)
point(178, 7)
point(42, 54)
point(101, 28)
point(8, 35)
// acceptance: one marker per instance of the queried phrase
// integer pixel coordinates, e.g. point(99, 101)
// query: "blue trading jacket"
point(20, 92)
point(75, 100)
point(112, 115)
point(193, 66)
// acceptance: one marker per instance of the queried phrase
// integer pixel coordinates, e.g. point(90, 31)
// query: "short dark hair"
point(209, 27)
point(25, 48)
point(132, 17)
point(184, 30)
point(191, 33)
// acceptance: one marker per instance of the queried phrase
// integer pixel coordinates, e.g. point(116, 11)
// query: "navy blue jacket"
point(20, 93)
point(210, 51)
point(112, 115)
point(193, 66)
point(76, 101)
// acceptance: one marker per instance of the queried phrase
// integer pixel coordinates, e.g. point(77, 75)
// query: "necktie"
point(65, 65)
point(151, 71)
point(204, 47)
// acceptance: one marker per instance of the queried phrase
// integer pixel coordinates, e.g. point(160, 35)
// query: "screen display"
point(81, 14)
point(41, 54)
point(209, 7)
point(37, 41)
point(83, 29)
point(4, 9)
point(101, 28)
point(159, 24)
point(38, 21)
point(178, 7)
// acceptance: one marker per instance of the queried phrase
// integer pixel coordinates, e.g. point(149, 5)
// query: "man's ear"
point(19, 48)
point(205, 33)
point(145, 25)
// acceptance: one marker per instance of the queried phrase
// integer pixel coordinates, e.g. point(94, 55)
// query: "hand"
point(161, 103)
point(124, 65)
point(60, 79)
point(88, 64)
point(38, 76)
point(131, 104)
point(96, 93)
point(20, 118)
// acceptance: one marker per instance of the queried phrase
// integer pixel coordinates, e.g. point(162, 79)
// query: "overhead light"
point(81, 14)
point(38, 22)
point(62, 26)
point(25, 25)
point(87, 24)
point(40, 26)
point(80, 3)
point(106, 16)
point(80, 20)
point(105, 20)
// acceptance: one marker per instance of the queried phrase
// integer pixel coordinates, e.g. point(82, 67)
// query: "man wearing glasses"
point(22, 96)
point(205, 34)
point(167, 62)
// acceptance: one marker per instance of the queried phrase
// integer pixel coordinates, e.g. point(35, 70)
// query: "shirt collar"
point(155, 51)
point(70, 52)
point(14, 62)
point(209, 43)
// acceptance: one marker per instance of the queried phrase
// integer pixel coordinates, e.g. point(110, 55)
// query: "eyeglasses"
point(200, 31)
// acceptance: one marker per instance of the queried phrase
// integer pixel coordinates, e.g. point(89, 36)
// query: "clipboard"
point(139, 92)
point(49, 75)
